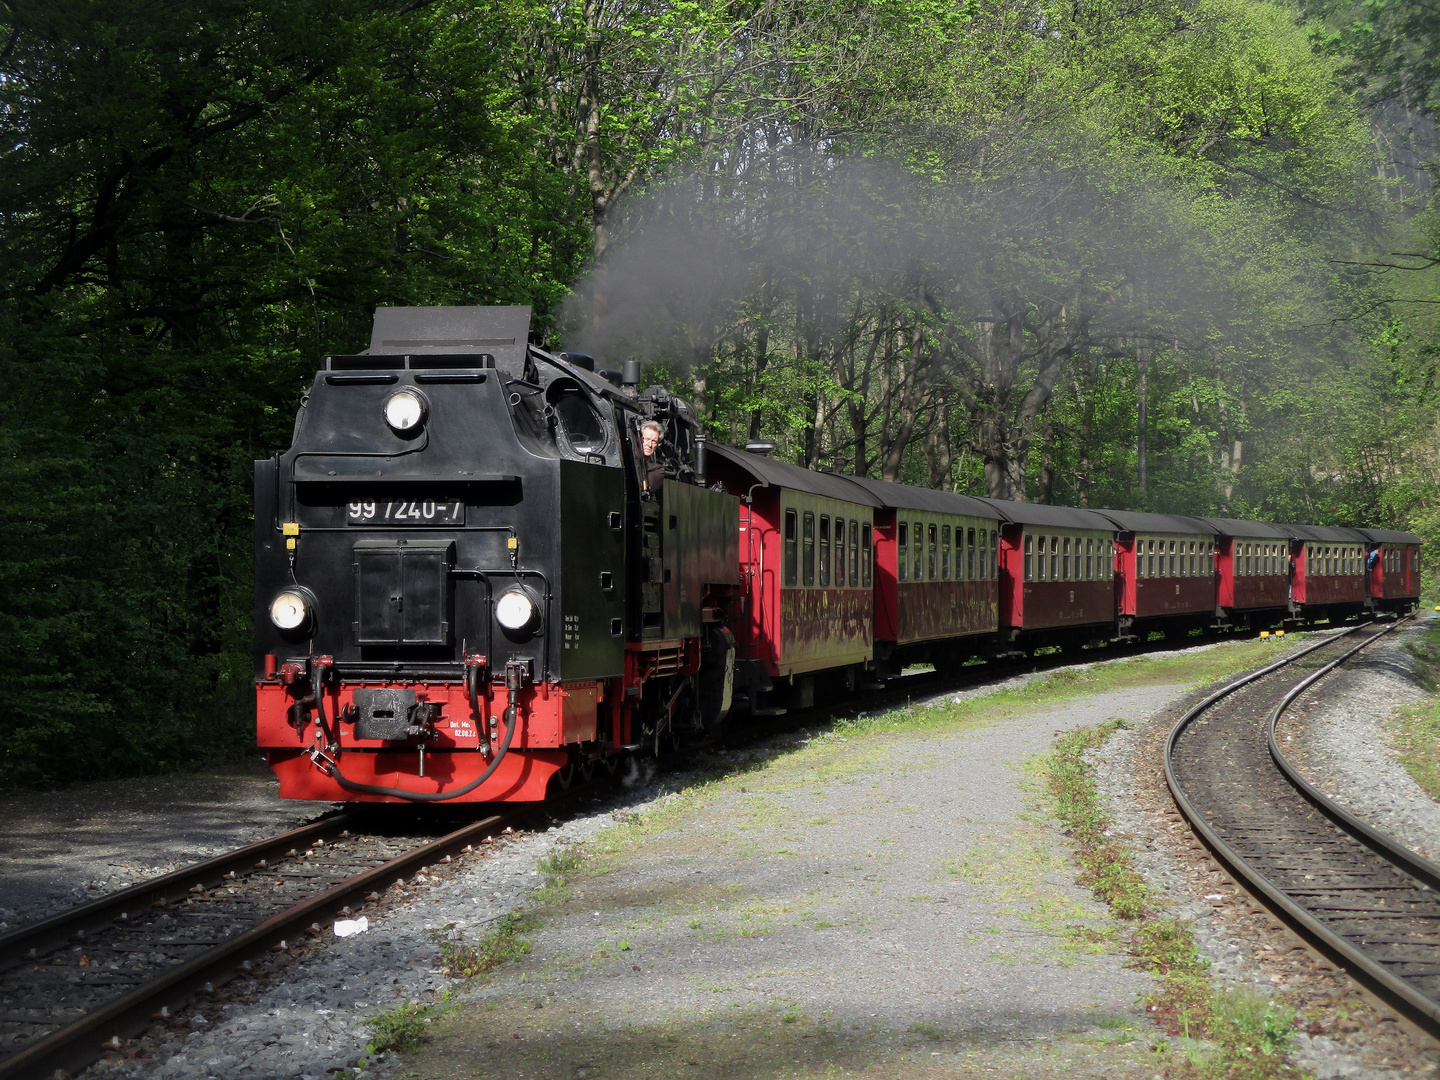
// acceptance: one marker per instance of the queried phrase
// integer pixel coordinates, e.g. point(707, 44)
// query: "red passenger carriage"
point(937, 579)
point(807, 557)
point(1057, 575)
point(1165, 572)
point(1327, 577)
point(1393, 577)
point(1252, 564)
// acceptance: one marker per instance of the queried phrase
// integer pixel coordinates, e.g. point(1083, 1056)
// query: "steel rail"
point(59, 929)
point(1420, 1010)
point(83, 1042)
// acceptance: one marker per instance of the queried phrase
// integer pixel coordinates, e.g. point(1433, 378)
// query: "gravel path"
point(883, 900)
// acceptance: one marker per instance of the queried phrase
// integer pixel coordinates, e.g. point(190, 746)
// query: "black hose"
point(333, 769)
point(472, 689)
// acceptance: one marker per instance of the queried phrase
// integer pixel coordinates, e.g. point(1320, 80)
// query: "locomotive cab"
point(450, 587)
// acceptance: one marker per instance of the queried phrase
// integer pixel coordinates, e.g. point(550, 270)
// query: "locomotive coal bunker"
point(463, 586)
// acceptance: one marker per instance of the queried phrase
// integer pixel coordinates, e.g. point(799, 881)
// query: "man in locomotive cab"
point(653, 473)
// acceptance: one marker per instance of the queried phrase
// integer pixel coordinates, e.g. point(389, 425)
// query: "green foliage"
point(403, 1028)
point(502, 943)
point(196, 204)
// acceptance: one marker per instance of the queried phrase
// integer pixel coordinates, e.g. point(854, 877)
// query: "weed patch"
point(503, 942)
point(560, 869)
point(1236, 1033)
point(403, 1028)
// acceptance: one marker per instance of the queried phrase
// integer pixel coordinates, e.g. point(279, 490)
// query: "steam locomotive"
point(473, 585)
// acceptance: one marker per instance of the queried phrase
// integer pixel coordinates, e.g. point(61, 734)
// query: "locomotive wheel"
point(611, 763)
point(587, 770)
point(565, 776)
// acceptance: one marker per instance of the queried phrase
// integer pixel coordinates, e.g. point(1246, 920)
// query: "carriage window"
point(824, 549)
point(919, 535)
point(1065, 561)
point(902, 564)
point(1040, 560)
point(970, 554)
point(1029, 559)
point(840, 552)
point(855, 553)
point(807, 548)
point(1089, 558)
point(945, 553)
point(790, 559)
point(865, 560)
point(1054, 558)
point(1150, 558)
point(930, 553)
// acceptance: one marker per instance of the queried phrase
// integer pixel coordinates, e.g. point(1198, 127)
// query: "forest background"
point(1176, 255)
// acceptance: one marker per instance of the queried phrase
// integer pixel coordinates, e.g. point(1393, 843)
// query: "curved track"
point(76, 985)
point(1361, 899)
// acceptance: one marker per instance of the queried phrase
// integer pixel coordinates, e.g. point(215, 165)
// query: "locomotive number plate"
point(405, 512)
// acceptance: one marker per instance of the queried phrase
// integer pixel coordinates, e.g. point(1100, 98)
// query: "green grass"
point(1234, 1034)
point(1417, 729)
point(1185, 668)
point(503, 942)
point(403, 1028)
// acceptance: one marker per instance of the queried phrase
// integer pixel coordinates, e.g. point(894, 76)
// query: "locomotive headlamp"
point(404, 411)
point(288, 611)
point(515, 610)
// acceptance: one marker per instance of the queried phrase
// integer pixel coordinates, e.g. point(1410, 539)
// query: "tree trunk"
point(938, 453)
point(908, 407)
point(1047, 465)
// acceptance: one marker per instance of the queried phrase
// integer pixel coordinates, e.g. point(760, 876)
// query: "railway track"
point(1358, 897)
point(78, 984)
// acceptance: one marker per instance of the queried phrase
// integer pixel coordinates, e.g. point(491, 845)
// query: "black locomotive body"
point(464, 586)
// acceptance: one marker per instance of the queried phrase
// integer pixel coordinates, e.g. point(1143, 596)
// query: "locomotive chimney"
point(630, 372)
